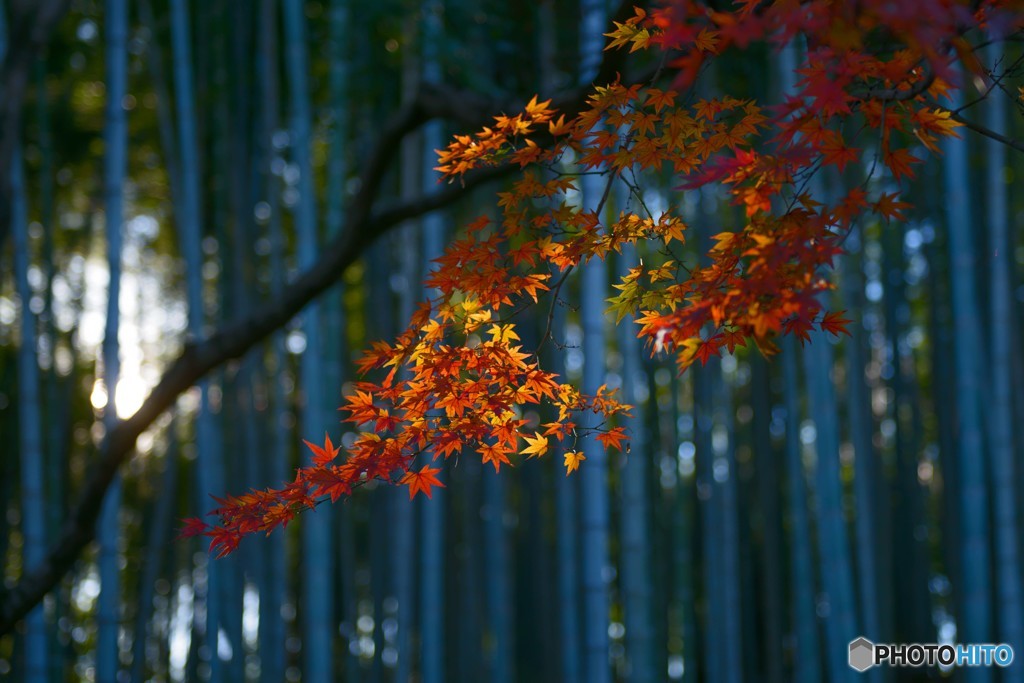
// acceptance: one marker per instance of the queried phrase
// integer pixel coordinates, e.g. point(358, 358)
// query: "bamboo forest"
point(563, 341)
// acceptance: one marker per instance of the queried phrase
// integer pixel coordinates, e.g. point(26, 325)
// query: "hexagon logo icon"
point(862, 654)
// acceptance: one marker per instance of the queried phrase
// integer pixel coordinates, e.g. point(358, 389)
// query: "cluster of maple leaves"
point(458, 380)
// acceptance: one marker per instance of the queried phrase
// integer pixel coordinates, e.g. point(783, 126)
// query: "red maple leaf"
point(899, 161)
point(734, 338)
point(835, 324)
point(322, 456)
point(800, 326)
point(708, 348)
point(193, 526)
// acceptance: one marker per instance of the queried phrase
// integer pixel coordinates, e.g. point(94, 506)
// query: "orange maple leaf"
point(421, 481)
point(572, 461)
point(613, 438)
point(494, 454)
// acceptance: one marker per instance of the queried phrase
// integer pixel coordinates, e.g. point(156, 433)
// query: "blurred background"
point(176, 167)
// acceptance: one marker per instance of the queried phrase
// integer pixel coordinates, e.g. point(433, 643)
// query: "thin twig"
point(551, 311)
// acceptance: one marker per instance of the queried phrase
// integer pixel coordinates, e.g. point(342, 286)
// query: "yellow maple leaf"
point(537, 109)
point(943, 123)
point(536, 447)
point(475, 320)
point(689, 349)
point(707, 41)
point(432, 331)
point(572, 461)
point(620, 36)
point(502, 333)
point(641, 39)
point(674, 229)
point(723, 241)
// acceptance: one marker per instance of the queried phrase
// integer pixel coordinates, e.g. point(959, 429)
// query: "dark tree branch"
point(234, 339)
point(897, 95)
point(197, 359)
point(987, 132)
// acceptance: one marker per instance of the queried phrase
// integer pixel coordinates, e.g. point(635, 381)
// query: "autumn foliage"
point(872, 83)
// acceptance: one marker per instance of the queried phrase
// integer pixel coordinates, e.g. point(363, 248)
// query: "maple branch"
point(197, 359)
point(977, 127)
point(551, 310)
point(996, 82)
point(469, 108)
point(897, 95)
point(561, 281)
point(363, 226)
point(987, 132)
point(919, 87)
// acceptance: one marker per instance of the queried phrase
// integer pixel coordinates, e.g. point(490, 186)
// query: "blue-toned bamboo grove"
point(209, 209)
